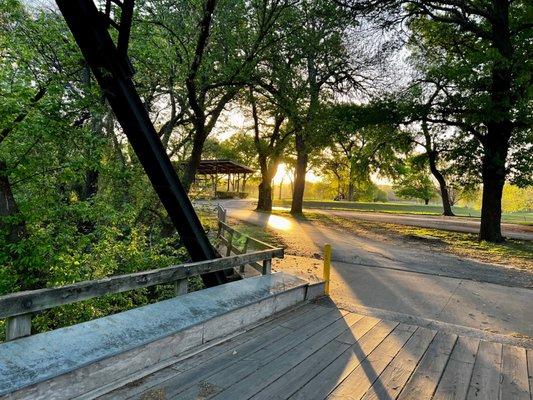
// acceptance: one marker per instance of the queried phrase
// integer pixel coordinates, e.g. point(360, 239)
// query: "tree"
point(270, 140)
point(369, 138)
point(480, 55)
point(229, 39)
point(310, 63)
point(415, 184)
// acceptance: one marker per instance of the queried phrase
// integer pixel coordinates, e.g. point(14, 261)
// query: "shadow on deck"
point(318, 352)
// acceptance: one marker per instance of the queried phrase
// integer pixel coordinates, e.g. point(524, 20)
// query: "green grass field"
point(525, 218)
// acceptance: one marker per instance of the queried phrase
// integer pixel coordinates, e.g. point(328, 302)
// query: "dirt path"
point(454, 224)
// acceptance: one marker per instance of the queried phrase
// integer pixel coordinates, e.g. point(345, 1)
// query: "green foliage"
point(415, 184)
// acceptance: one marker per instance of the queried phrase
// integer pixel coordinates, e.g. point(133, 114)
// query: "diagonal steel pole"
point(113, 73)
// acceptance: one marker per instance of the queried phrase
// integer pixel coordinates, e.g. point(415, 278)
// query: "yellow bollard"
point(327, 267)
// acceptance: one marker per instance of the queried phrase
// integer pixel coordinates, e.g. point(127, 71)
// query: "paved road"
point(455, 224)
point(374, 271)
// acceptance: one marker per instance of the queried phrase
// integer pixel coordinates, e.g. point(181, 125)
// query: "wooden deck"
point(318, 352)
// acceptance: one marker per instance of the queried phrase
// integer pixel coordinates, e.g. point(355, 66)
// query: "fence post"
point(327, 267)
point(267, 266)
point(18, 326)
point(230, 240)
point(244, 250)
point(181, 287)
point(221, 213)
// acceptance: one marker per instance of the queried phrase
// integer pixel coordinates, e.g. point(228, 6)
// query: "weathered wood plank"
point(426, 376)
point(18, 326)
point(326, 381)
point(485, 382)
point(515, 382)
point(238, 344)
point(289, 382)
point(37, 300)
point(456, 377)
point(255, 374)
point(266, 348)
point(181, 287)
point(366, 374)
point(394, 377)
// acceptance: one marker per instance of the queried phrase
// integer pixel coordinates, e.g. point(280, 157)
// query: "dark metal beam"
point(113, 72)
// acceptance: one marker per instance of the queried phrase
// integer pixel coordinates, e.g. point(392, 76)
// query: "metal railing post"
point(327, 267)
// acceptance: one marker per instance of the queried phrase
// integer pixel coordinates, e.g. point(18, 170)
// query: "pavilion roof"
point(210, 167)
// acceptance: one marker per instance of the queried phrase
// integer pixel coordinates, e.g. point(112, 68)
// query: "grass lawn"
point(515, 253)
point(525, 218)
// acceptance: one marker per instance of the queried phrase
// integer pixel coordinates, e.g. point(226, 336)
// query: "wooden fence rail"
point(18, 307)
point(265, 267)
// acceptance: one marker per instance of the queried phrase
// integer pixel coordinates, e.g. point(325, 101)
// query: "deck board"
point(454, 382)
point(485, 382)
point(515, 383)
point(366, 374)
point(290, 382)
point(214, 373)
point(394, 377)
point(426, 376)
point(318, 352)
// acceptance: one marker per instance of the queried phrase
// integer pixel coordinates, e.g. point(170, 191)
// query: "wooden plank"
point(366, 374)
point(264, 349)
point(42, 299)
point(230, 244)
point(485, 382)
point(326, 381)
point(181, 287)
point(237, 345)
point(253, 376)
point(515, 382)
point(17, 327)
point(267, 267)
point(393, 378)
point(458, 372)
point(291, 381)
point(422, 384)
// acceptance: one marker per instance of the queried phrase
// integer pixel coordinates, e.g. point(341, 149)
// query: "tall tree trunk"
point(13, 226)
point(432, 158)
point(11, 222)
point(445, 196)
point(351, 191)
point(194, 161)
point(264, 200)
point(299, 175)
point(499, 128)
point(493, 175)
point(265, 190)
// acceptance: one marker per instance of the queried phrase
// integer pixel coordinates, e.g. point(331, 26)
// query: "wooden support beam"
point(18, 326)
point(267, 267)
point(181, 287)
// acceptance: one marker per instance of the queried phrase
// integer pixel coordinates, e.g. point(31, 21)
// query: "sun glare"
point(280, 223)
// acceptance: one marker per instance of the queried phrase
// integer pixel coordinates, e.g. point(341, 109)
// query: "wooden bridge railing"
point(18, 307)
point(228, 237)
